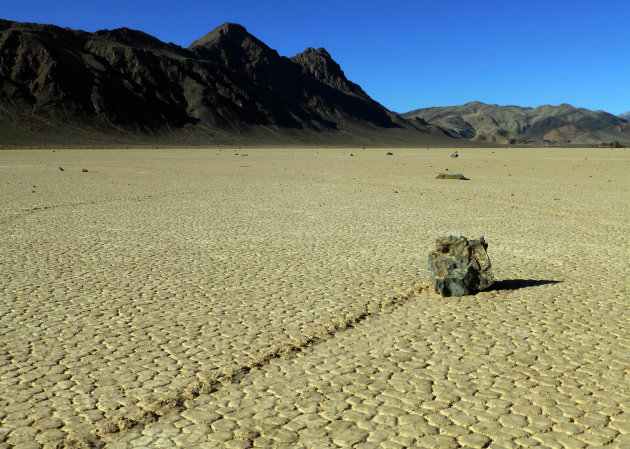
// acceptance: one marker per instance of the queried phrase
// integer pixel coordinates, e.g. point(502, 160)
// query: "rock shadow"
point(515, 284)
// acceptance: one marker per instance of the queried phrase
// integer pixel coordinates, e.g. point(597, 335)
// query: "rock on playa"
point(460, 267)
point(458, 176)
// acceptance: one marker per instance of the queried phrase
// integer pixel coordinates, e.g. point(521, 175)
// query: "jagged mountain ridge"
point(60, 86)
point(563, 124)
point(228, 84)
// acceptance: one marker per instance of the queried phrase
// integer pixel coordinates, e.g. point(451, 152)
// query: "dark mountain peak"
point(320, 65)
point(231, 28)
point(321, 52)
point(227, 32)
point(231, 37)
point(129, 37)
point(237, 49)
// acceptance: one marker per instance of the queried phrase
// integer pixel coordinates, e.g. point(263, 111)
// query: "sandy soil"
point(203, 298)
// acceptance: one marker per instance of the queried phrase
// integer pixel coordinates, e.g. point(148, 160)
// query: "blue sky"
point(407, 54)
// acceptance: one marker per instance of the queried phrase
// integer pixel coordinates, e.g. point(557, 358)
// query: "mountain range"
point(64, 86)
point(60, 86)
point(555, 125)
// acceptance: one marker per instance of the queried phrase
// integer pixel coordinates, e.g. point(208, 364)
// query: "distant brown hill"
point(60, 86)
point(556, 125)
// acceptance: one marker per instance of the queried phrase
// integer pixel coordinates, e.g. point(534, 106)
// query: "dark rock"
point(389, 153)
point(455, 154)
point(452, 176)
point(460, 267)
point(59, 169)
point(84, 170)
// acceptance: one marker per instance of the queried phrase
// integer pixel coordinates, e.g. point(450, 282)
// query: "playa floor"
point(280, 298)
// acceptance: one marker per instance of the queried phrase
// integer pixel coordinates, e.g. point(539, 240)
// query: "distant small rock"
point(84, 170)
point(60, 169)
point(389, 153)
point(452, 176)
point(455, 154)
point(460, 267)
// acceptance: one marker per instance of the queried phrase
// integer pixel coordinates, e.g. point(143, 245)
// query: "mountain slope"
point(563, 124)
point(625, 116)
point(66, 86)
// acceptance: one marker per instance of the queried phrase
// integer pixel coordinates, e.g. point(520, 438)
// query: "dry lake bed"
point(225, 298)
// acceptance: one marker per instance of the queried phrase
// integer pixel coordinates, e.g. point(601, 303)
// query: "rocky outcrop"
point(320, 65)
point(460, 267)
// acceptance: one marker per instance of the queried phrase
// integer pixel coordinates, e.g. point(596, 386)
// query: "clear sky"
point(406, 54)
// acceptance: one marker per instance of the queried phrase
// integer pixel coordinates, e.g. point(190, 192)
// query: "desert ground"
point(261, 297)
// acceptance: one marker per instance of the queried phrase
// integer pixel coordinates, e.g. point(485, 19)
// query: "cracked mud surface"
point(195, 298)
